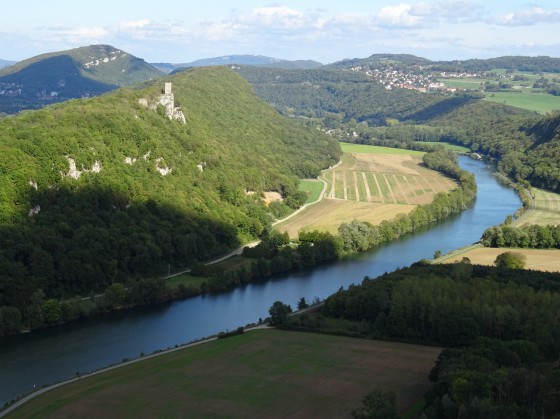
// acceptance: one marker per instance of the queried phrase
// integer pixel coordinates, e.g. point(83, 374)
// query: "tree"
point(377, 405)
point(302, 304)
point(511, 260)
point(279, 314)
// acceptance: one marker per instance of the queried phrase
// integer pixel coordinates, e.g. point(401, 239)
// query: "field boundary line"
point(366, 184)
point(378, 187)
point(392, 195)
point(356, 188)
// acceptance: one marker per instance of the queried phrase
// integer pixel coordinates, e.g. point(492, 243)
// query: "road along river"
point(43, 357)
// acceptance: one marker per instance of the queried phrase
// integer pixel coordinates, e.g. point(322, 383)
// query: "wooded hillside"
point(152, 194)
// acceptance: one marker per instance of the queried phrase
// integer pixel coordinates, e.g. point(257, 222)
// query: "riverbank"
point(50, 355)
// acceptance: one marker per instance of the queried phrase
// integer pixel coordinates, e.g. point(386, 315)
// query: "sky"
point(181, 31)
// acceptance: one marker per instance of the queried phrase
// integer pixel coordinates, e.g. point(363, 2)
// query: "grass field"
point(373, 149)
point(537, 259)
point(546, 211)
point(261, 374)
point(539, 102)
point(449, 146)
point(525, 97)
point(312, 187)
point(369, 185)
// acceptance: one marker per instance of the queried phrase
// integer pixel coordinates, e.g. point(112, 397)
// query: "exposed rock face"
point(167, 100)
point(74, 173)
point(163, 170)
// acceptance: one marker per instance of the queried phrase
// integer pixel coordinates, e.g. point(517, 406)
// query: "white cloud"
point(132, 25)
point(448, 9)
point(532, 16)
point(278, 17)
point(399, 16)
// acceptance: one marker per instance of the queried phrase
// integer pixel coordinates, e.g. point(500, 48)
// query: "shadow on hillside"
point(83, 239)
point(440, 109)
point(49, 81)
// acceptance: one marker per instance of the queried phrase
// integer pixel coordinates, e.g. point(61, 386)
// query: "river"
point(47, 356)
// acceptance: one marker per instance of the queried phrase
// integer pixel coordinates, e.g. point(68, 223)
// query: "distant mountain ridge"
point(519, 63)
point(6, 63)
point(244, 59)
point(76, 73)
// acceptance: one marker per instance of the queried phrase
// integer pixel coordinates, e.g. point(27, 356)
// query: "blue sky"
point(180, 31)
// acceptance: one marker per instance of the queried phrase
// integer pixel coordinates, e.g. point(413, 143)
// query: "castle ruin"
point(167, 100)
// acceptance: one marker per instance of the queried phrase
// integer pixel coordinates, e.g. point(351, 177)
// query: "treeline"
point(501, 326)
point(533, 236)
point(519, 63)
point(273, 255)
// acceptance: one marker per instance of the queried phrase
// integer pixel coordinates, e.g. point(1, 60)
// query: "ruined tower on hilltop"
point(167, 100)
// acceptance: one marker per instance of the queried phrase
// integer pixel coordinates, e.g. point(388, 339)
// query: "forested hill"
point(515, 62)
point(102, 190)
point(346, 102)
point(76, 73)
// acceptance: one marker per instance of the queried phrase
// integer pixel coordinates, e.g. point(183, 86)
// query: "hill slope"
point(103, 190)
point(59, 76)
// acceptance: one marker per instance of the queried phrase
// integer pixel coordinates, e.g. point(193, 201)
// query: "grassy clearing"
point(546, 211)
point(312, 188)
point(539, 102)
point(537, 259)
point(373, 149)
point(266, 373)
point(369, 187)
point(465, 82)
point(449, 146)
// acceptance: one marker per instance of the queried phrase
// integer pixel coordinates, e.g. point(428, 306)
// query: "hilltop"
point(107, 190)
point(244, 59)
point(76, 73)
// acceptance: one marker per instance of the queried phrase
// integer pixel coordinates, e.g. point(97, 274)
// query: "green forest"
point(125, 220)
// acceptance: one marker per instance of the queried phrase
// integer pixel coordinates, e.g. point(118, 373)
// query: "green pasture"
point(449, 146)
point(464, 83)
point(546, 210)
point(373, 149)
point(539, 102)
point(264, 373)
point(312, 188)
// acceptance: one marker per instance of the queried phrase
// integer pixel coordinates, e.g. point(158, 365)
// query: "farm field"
point(313, 375)
point(372, 186)
point(537, 259)
point(525, 96)
point(373, 149)
point(312, 187)
point(539, 102)
point(546, 211)
point(449, 146)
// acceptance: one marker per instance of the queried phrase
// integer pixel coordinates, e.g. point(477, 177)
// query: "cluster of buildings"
point(415, 78)
point(10, 89)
